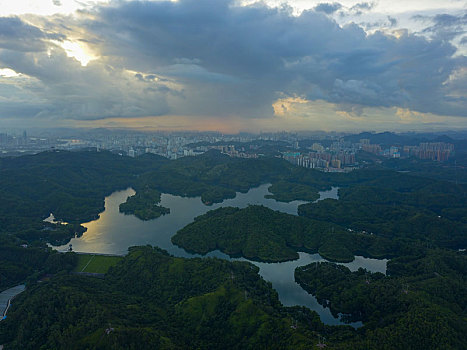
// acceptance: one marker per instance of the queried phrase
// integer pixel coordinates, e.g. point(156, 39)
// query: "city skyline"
point(233, 66)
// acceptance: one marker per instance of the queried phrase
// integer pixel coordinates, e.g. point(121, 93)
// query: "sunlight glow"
point(8, 73)
point(44, 7)
point(75, 50)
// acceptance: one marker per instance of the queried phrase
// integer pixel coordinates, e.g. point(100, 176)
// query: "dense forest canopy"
point(150, 301)
point(260, 233)
point(421, 305)
point(417, 219)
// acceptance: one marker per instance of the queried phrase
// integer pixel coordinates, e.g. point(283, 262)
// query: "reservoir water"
point(113, 232)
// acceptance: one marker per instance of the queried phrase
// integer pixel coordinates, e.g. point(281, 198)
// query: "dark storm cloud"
point(327, 7)
point(17, 35)
point(211, 57)
point(243, 56)
point(60, 87)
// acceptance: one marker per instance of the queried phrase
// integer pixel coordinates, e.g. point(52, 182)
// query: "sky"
point(234, 65)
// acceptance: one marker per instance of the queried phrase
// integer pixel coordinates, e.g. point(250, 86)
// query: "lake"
point(113, 232)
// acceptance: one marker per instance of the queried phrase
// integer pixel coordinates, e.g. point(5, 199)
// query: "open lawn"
point(96, 263)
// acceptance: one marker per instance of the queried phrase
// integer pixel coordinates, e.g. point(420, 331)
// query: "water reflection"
point(114, 232)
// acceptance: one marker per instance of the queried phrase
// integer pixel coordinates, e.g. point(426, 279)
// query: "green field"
point(96, 263)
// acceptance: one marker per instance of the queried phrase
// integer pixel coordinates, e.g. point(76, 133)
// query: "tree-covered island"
point(143, 205)
point(262, 234)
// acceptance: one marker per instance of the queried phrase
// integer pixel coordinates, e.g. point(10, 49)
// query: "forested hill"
point(420, 306)
point(153, 301)
point(72, 185)
point(262, 234)
point(150, 300)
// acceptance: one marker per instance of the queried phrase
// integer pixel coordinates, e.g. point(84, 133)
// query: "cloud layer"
point(216, 58)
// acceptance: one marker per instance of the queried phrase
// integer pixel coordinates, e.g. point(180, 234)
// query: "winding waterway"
point(113, 232)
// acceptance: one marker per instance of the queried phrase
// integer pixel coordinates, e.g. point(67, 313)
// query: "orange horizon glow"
point(173, 123)
point(290, 114)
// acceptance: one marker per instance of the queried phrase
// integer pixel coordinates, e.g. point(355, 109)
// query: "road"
point(6, 296)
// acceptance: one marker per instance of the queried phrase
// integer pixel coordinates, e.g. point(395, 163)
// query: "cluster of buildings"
point(340, 156)
point(171, 145)
point(337, 154)
point(175, 146)
point(325, 160)
point(231, 151)
point(436, 151)
point(13, 144)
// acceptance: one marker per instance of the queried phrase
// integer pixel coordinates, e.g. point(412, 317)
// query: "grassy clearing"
point(96, 263)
